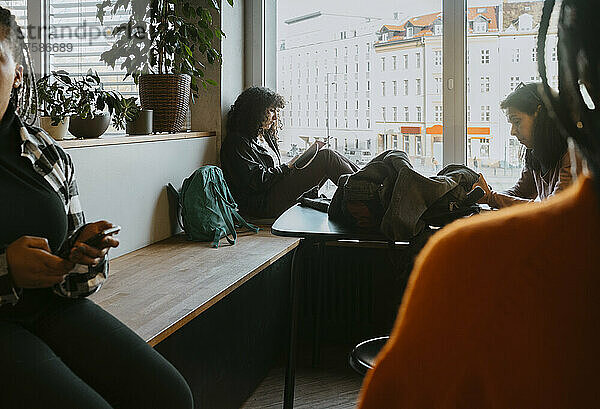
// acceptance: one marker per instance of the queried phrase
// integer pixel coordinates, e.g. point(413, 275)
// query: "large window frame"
point(261, 68)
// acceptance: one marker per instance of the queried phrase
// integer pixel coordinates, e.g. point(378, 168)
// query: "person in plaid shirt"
point(57, 348)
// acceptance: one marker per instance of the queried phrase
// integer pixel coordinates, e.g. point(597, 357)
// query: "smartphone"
point(95, 240)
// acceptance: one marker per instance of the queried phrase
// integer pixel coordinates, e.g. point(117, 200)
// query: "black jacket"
point(249, 171)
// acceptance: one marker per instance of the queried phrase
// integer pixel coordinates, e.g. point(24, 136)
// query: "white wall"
point(125, 184)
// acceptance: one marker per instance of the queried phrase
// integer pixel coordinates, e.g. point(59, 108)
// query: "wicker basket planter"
point(168, 95)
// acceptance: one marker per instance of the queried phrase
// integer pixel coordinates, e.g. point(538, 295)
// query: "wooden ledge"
point(158, 289)
point(122, 140)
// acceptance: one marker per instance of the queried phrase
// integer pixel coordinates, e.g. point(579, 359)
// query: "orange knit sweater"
point(502, 311)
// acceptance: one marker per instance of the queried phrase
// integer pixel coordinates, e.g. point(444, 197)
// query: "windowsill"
point(123, 140)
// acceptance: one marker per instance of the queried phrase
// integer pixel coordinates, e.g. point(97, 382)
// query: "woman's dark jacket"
point(250, 171)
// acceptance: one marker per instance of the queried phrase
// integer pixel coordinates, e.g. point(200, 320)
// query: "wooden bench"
point(220, 316)
point(158, 289)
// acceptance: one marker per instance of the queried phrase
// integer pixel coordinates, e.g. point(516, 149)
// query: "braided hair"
point(23, 98)
point(578, 63)
point(248, 113)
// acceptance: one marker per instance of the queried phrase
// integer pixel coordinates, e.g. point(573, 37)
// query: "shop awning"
point(478, 130)
point(411, 129)
point(435, 130)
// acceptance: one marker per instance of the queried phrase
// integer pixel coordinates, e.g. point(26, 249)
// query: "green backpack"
point(208, 211)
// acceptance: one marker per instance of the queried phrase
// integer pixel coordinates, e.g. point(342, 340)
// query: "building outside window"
point(405, 61)
point(405, 87)
point(419, 114)
point(418, 86)
point(406, 115)
point(418, 60)
point(418, 145)
point(484, 148)
point(383, 88)
point(395, 113)
point(406, 143)
point(395, 86)
point(382, 63)
point(394, 63)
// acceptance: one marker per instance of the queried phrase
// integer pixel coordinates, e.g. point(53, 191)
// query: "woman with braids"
point(522, 331)
point(262, 185)
point(57, 348)
point(547, 169)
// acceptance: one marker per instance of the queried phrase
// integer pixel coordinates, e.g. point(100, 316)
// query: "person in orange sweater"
point(517, 323)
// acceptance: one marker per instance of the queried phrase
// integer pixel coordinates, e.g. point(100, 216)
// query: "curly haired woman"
point(262, 185)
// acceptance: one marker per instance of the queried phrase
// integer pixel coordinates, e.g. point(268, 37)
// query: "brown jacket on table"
point(500, 312)
point(533, 184)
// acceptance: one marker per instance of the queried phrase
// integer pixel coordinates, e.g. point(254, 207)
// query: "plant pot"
point(168, 95)
point(89, 127)
point(141, 125)
point(57, 132)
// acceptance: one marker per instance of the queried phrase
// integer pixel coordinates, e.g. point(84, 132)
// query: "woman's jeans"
point(70, 353)
point(328, 164)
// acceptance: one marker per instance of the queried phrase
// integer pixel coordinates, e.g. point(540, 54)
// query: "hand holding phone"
point(96, 240)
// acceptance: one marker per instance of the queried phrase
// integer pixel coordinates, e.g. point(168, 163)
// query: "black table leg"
point(290, 374)
point(320, 280)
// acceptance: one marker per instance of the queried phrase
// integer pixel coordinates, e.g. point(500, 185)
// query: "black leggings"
point(63, 353)
point(328, 164)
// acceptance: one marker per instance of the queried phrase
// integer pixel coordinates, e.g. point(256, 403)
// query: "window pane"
point(389, 67)
point(77, 39)
point(19, 9)
point(499, 58)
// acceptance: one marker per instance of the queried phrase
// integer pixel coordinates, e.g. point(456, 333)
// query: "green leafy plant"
point(164, 36)
point(125, 110)
point(55, 96)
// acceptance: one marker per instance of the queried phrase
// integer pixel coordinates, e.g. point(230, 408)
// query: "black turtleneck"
point(28, 204)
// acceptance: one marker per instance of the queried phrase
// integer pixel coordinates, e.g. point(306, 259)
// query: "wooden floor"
point(332, 385)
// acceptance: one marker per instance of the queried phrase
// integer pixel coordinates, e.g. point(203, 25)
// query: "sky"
point(384, 8)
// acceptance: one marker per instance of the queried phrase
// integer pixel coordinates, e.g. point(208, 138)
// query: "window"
point(534, 54)
point(485, 56)
point(438, 85)
point(406, 115)
point(382, 63)
point(368, 66)
point(418, 86)
point(468, 113)
point(405, 61)
point(395, 113)
point(419, 117)
point(406, 143)
point(485, 84)
point(395, 86)
point(383, 113)
point(484, 148)
point(515, 55)
point(485, 113)
point(395, 62)
point(437, 58)
point(410, 31)
point(514, 81)
point(405, 87)
point(418, 60)
point(383, 88)
point(438, 114)
point(480, 26)
point(418, 145)
point(553, 58)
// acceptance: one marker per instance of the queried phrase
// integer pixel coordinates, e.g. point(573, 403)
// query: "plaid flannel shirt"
point(55, 165)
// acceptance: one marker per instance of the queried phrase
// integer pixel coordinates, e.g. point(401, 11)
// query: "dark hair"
point(23, 98)
point(549, 146)
point(578, 60)
point(247, 114)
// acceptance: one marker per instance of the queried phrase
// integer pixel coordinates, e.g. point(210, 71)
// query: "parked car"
point(359, 156)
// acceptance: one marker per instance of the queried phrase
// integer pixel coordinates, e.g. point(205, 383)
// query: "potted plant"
point(128, 114)
point(94, 107)
point(163, 47)
point(55, 103)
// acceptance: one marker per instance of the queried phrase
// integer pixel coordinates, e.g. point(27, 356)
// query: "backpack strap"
point(240, 220)
point(171, 191)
